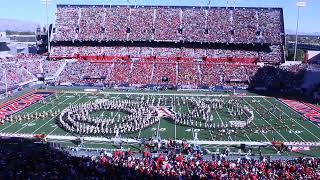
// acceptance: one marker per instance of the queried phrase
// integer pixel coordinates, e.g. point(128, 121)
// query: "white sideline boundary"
point(129, 140)
point(164, 94)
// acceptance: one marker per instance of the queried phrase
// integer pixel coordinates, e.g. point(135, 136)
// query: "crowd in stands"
point(12, 75)
point(141, 73)
point(24, 68)
point(67, 20)
point(165, 73)
point(38, 161)
point(141, 24)
point(211, 74)
point(184, 73)
point(161, 65)
point(120, 72)
point(13, 71)
point(83, 72)
point(188, 73)
point(159, 72)
point(50, 68)
point(268, 23)
point(123, 23)
point(279, 77)
point(273, 55)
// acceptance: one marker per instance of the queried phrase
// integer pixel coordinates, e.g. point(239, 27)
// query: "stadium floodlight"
point(5, 81)
point(110, 3)
point(47, 3)
point(299, 4)
point(234, 3)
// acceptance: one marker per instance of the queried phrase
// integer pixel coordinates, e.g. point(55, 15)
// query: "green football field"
point(266, 126)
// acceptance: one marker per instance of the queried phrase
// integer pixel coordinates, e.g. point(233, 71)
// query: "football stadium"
point(128, 91)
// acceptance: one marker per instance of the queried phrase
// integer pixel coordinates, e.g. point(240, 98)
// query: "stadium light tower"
point(232, 1)
point(300, 4)
point(209, 3)
point(5, 81)
point(47, 3)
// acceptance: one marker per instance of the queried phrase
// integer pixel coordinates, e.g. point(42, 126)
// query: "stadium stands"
point(184, 47)
point(279, 77)
point(23, 69)
point(37, 161)
point(188, 74)
point(89, 30)
point(164, 72)
point(189, 24)
point(120, 72)
point(14, 75)
point(141, 73)
point(118, 52)
point(137, 72)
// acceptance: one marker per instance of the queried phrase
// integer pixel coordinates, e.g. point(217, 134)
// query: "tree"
point(290, 54)
point(19, 33)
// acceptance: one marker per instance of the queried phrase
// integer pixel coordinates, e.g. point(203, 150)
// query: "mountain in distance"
point(293, 32)
point(17, 25)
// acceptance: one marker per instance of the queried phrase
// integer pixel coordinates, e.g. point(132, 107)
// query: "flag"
point(165, 111)
point(161, 111)
point(153, 113)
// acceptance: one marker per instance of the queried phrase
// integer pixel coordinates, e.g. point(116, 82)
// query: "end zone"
point(15, 105)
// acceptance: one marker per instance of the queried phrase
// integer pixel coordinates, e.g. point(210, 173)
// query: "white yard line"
point(277, 117)
point(261, 133)
point(117, 111)
point(247, 136)
point(89, 99)
point(158, 123)
point(41, 120)
point(158, 127)
point(139, 134)
point(222, 123)
point(219, 116)
point(294, 119)
point(53, 130)
point(72, 104)
point(30, 112)
point(175, 94)
point(211, 135)
point(175, 124)
point(266, 121)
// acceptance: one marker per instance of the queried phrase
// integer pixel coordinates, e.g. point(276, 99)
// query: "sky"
point(35, 11)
